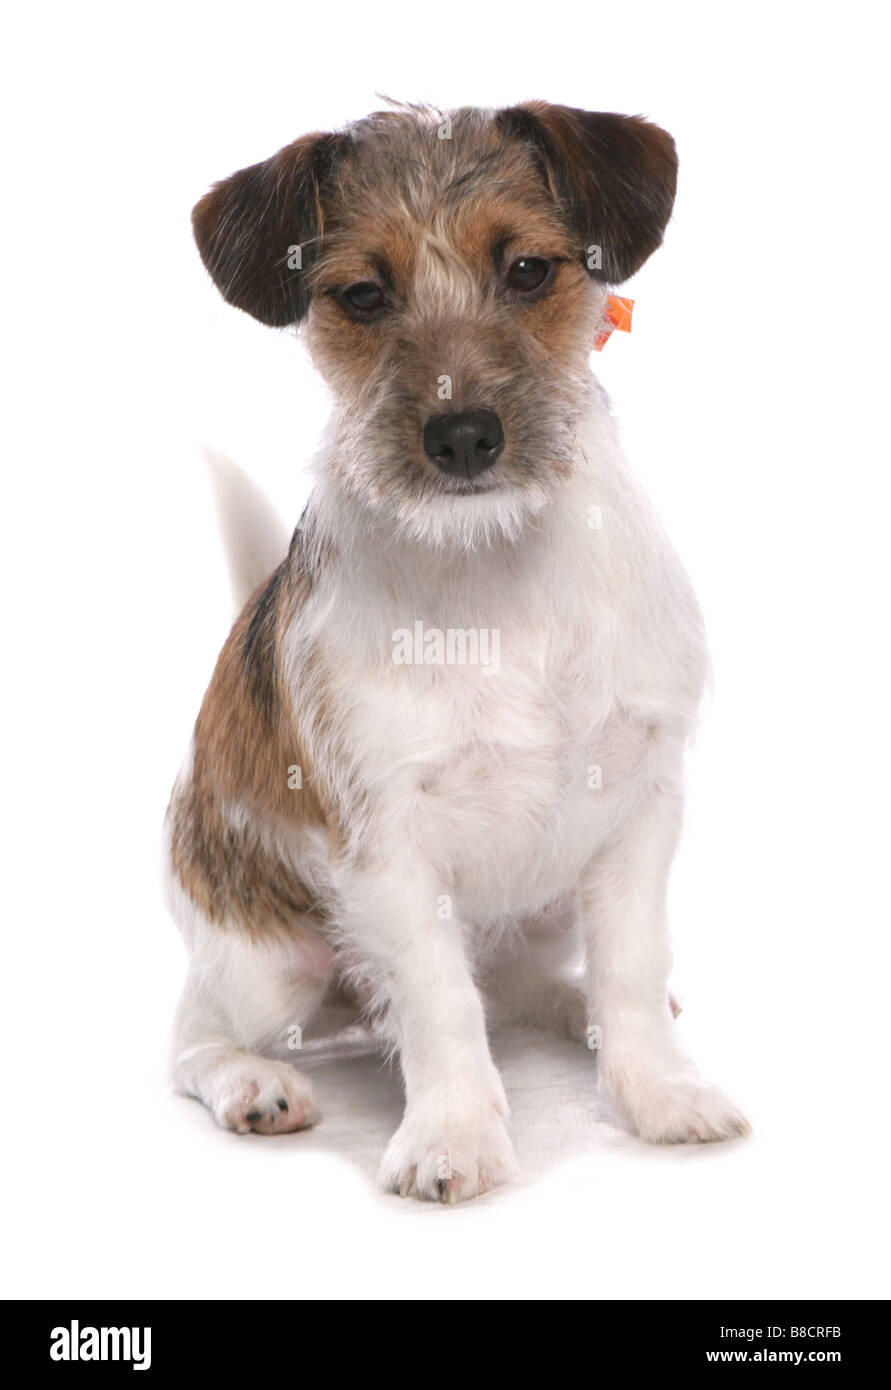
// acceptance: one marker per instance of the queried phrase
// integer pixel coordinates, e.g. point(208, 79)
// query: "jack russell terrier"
point(438, 770)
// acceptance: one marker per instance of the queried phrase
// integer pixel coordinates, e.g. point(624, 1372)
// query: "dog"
point(437, 776)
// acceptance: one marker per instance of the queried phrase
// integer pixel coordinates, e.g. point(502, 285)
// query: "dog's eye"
point(528, 273)
point(366, 297)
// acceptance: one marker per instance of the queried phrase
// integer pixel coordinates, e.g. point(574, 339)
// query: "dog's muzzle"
point(464, 445)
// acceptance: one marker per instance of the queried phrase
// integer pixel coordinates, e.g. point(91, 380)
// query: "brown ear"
point(614, 178)
point(249, 226)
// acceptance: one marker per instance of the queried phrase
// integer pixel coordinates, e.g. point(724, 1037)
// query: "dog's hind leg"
point(242, 1013)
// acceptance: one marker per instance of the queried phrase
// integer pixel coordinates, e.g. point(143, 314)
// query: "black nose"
point(464, 445)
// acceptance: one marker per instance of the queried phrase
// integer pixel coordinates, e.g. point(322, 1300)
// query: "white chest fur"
point(507, 782)
point(502, 708)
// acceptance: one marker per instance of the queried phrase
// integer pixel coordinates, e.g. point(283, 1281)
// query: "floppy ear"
point(249, 226)
point(613, 177)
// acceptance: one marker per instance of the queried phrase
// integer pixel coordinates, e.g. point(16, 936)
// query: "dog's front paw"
point(675, 1110)
point(449, 1162)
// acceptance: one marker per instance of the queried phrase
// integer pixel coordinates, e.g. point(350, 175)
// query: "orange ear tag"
point(618, 315)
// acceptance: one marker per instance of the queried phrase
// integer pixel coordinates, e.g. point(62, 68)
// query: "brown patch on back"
point(235, 805)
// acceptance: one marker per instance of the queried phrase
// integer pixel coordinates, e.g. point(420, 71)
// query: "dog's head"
point(451, 272)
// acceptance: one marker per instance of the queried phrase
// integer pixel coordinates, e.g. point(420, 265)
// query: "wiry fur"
point(448, 835)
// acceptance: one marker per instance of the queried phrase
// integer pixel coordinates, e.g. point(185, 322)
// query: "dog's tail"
point(254, 536)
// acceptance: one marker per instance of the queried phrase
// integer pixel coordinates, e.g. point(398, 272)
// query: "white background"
point(754, 403)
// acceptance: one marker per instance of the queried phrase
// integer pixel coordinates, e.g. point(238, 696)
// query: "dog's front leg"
point(642, 1062)
point(452, 1142)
